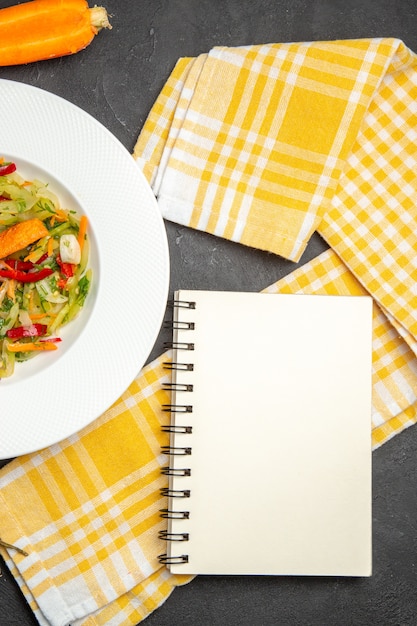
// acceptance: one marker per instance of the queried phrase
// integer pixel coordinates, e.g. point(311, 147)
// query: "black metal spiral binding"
point(186, 430)
point(173, 450)
point(181, 304)
point(169, 514)
point(177, 387)
point(175, 493)
point(177, 325)
point(172, 365)
point(167, 536)
point(177, 408)
point(178, 345)
point(164, 559)
point(173, 471)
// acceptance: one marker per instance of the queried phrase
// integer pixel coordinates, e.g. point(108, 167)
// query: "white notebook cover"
point(280, 457)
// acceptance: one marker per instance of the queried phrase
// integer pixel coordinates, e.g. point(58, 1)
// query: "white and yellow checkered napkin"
point(261, 145)
point(86, 511)
point(266, 144)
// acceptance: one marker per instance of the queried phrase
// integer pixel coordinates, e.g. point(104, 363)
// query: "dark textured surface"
point(117, 79)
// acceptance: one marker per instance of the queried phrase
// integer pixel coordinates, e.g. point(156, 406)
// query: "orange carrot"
point(60, 215)
point(20, 235)
point(50, 247)
point(31, 347)
point(82, 230)
point(44, 29)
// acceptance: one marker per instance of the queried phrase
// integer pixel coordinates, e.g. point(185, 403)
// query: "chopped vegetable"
point(7, 361)
point(15, 264)
point(21, 235)
point(35, 281)
point(69, 249)
point(31, 346)
point(35, 330)
point(44, 29)
point(51, 340)
point(26, 277)
point(48, 290)
point(7, 168)
point(66, 268)
point(82, 230)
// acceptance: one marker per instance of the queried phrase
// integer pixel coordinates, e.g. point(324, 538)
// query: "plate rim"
point(99, 131)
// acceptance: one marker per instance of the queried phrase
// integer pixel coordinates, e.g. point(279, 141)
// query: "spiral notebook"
point(270, 446)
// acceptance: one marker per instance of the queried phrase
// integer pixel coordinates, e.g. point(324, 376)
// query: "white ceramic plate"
point(56, 394)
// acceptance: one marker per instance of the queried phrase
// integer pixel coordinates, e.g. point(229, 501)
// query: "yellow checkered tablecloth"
point(86, 511)
point(394, 375)
point(262, 145)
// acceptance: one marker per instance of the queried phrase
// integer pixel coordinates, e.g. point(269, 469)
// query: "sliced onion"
point(24, 318)
point(69, 249)
point(44, 289)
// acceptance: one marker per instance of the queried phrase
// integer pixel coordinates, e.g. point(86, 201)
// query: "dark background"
point(116, 79)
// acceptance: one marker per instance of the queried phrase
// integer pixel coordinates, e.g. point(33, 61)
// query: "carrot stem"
point(99, 18)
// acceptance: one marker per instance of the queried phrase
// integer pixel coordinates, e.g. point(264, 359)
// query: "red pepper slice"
point(66, 268)
point(19, 265)
point(2, 198)
point(51, 340)
point(7, 168)
point(35, 330)
point(27, 277)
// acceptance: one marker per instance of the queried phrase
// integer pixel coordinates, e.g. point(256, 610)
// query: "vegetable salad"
point(44, 277)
